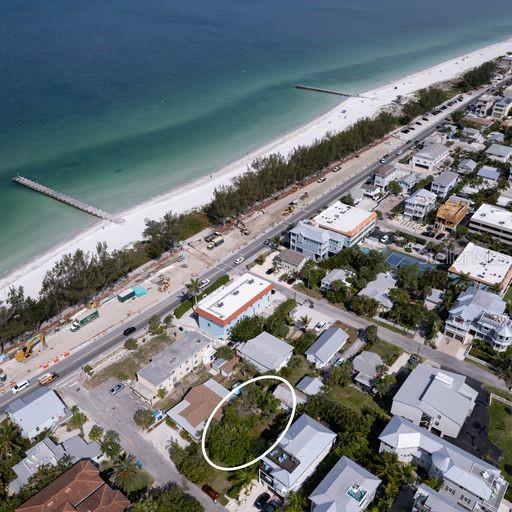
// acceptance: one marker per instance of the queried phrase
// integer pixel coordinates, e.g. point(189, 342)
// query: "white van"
point(19, 386)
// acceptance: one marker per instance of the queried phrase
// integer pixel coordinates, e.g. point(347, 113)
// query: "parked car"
point(116, 389)
point(18, 386)
point(239, 260)
point(211, 492)
point(321, 180)
point(270, 507)
point(384, 239)
point(205, 283)
point(269, 271)
point(320, 326)
point(399, 152)
point(262, 500)
point(384, 158)
point(129, 330)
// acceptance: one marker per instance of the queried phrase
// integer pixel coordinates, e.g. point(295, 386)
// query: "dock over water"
point(330, 91)
point(64, 198)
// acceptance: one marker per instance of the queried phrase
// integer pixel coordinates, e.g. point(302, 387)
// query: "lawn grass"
point(315, 294)
point(351, 331)
point(508, 295)
point(128, 366)
point(298, 367)
point(390, 327)
point(500, 433)
point(357, 398)
point(387, 351)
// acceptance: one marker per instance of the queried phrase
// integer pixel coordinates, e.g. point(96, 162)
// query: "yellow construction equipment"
point(26, 350)
point(164, 285)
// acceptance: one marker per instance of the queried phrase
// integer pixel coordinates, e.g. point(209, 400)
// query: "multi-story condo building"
point(427, 499)
point(486, 268)
point(468, 481)
point(494, 221)
point(330, 231)
point(419, 204)
point(385, 175)
point(480, 313)
point(443, 183)
point(437, 400)
point(502, 108)
point(430, 157)
point(296, 457)
point(484, 105)
point(221, 310)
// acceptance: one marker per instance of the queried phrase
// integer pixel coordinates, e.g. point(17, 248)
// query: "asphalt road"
point(249, 251)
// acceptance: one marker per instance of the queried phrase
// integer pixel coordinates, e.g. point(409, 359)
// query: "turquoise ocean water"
point(116, 101)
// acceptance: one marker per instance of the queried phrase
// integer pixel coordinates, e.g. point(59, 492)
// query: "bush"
point(131, 344)
point(143, 418)
point(182, 308)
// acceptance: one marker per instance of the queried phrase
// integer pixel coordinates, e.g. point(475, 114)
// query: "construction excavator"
point(26, 350)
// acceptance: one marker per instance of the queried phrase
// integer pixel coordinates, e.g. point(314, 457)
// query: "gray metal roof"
point(432, 151)
point(434, 501)
point(499, 150)
point(77, 448)
point(310, 385)
point(468, 163)
point(172, 357)
point(292, 257)
point(311, 232)
point(445, 178)
point(437, 392)
point(378, 289)
point(491, 173)
point(266, 350)
point(452, 462)
point(472, 302)
point(327, 344)
point(305, 440)
point(346, 482)
point(366, 363)
point(336, 274)
point(36, 408)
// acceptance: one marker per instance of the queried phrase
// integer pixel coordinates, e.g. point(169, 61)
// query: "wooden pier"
point(330, 91)
point(64, 198)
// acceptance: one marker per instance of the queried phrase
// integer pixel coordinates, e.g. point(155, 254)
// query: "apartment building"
point(493, 221)
point(338, 226)
point(437, 400)
point(170, 366)
point(502, 108)
point(430, 157)
point(385, 175)
point(247, 295)
point(468, 481)
point(484, 105)
point(419, 204)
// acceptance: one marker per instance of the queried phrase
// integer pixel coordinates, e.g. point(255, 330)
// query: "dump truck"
point(215, 243)
point(45, 379)
point(85, 318)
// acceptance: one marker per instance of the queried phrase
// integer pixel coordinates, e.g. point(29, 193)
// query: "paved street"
point(116, 413)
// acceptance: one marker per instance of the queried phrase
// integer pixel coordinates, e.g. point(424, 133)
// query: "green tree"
point(247, 328)
point(348, 199)
point(96, 433)
point(385, 384)
point(341, 375)
point(143, 418)
point(11, 442)
point(191, 463)
point(242, 480)
point(363, 306)
point(296, 502)
point(304, 322)
point(110, 445)
point(394, 187)
point(194, 289)
point(370, 334)
point(77, 420)
point(154, 326)
point(303, 342)
point(168, 499)
point(131, 344)
point(225, 352)
point(126, 475)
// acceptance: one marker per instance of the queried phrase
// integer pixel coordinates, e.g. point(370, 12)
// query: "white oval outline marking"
point(225, 399)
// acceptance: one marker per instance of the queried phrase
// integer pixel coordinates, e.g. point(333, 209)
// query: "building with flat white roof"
point(348, 487)
point(436, 400)
point(338, 226)
point(247, 295)
point(419, 204)
point(487, 268)
point(465, 479)
point(430, 156)
point(266, 352)
point(306, 443)
point(494, 221)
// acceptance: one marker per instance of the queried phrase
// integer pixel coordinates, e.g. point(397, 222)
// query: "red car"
point(214, 495)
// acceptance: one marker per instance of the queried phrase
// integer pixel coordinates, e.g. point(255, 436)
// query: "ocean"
point(114, 102)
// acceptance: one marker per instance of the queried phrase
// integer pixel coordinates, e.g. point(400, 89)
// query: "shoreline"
point(197, 192)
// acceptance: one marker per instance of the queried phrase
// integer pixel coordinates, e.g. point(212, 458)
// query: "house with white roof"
point(499, 152)
point(437, 400)
point(419, 204)
point(466, 166)
point(171, 365)
point(489, 269)
point(42, 409)
point(443, 183)
point(266, 352)
point(427, 499)
point(323, 352)
point(310, 386)
point(285, 396)
point(430, 157)
point(336, 274)
point(489, 173)
point(466, 480)
point(348, 487)
point(484, 105)
point(480, 313)
point(336, 227)
point(247, 295)
point(385, 175)
point(494, 221)
point(472, 135)
point(306, 443)
point(379, 288)
point(496, 137)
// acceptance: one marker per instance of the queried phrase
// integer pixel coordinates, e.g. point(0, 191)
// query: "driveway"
point(116, 413)
point(246, 502)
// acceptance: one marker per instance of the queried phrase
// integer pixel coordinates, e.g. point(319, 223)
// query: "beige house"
point(170, 366)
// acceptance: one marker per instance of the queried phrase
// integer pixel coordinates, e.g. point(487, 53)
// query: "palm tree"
point(126, 475)
point(10, 440)
point(77, 420)
point(194, 289)
point(243, 479)
point(304, 321)
point(296, 502)
point(96, 433)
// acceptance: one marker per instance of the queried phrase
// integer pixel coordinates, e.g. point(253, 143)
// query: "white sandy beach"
point(199, 192)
